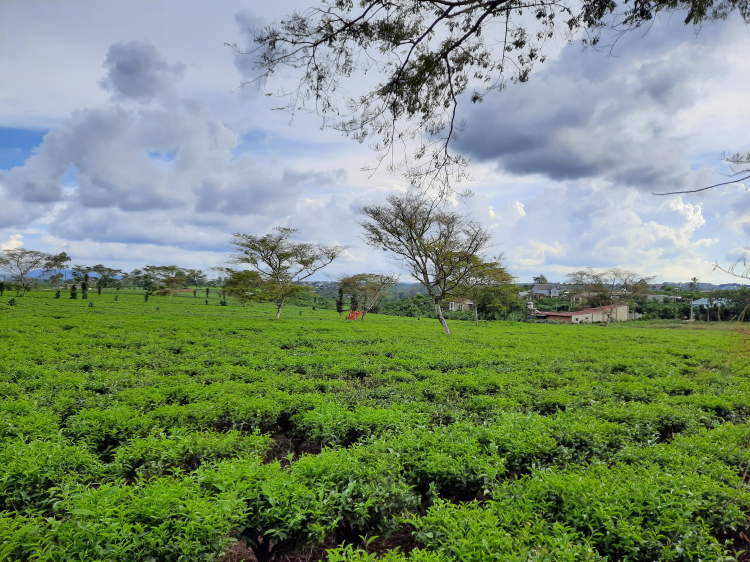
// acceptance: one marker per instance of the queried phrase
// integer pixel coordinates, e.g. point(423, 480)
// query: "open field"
point(168, 430)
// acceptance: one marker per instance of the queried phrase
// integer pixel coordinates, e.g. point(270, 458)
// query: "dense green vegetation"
point(171, 430)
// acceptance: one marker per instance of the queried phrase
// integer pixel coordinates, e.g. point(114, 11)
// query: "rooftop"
point(584, 311)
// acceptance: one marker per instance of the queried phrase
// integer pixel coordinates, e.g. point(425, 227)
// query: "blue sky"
point(16, 145)
point(162, 163)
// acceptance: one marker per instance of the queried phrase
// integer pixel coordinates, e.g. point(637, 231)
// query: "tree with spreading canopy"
point(174, 282)
point(20, 265)
point(441, 249)
point(282, 262)
point(479, 283)
point(415, 60)
point(195, 277)
point(107, 276)
point(244, 285)
point(56, 265)
point(367, 288)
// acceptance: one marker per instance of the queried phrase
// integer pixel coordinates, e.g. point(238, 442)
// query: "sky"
point(126, 139)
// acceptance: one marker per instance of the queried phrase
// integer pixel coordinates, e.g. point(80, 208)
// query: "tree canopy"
point(367, 288)
point(439, 248)
point(20, 264)
point(422, 56)
point(282, 262)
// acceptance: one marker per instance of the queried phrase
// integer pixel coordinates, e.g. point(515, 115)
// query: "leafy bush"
point(29, 471)
point(156, 455)
point(140, 434)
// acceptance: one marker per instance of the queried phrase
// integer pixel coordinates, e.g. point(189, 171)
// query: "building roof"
point(544, 286)
point(584, 311)
point(715, 302)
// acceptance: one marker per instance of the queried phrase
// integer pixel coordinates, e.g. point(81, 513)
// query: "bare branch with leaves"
point(426, 55)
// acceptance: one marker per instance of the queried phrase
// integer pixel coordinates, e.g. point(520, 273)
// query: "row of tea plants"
point(167, 430)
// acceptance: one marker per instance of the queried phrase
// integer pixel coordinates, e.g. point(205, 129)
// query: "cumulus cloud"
point(147, 173)
point(580, 224)
point(13, 242)
point(590, 116)
point(163, 173)
point(137, 71)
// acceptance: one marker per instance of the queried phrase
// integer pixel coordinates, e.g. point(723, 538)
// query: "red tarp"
point(353, 315)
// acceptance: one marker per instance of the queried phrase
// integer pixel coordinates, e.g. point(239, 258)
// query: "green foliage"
point(29, 472)
point(158, 455)
point(340, 301)
point(128, 434)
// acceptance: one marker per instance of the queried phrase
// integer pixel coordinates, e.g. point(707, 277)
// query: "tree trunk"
point(364, 313)
point(281, 305)
point(443, 323)
point(476, 316)
point(24, 291)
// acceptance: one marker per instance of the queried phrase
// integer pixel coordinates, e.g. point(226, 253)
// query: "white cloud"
point(15, 241)
point(167, 160)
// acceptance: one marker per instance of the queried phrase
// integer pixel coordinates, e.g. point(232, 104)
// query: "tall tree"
point(282, 262)
point(339, 301)
point(368, 288)
point(57, 265)
point(107, 277)
point(174, 282)
point(609, 288)
point(195, 277)
point(439, 248)
point(425, 56)
point(540, 279)
point(477, 284)
point(244, 285)
point(20, 265)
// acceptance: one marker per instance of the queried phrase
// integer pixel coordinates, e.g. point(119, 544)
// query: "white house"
point(460, 304)
point(618, 313)
point(545, 290)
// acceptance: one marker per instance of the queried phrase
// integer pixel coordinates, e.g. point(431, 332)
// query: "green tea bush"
point(29, 471)
point(141, 433)
point(448, 460)
point(626, 512)
point(500, 530)
point(157, 455)
point(280, 514)
point(164, 520)
point(22, 536)
point(105, 430)
point(21, 419)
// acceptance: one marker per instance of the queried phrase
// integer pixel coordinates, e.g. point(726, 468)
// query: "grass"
point(172, 430)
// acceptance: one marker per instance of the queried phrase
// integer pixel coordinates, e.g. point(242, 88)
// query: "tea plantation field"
point(170, 430)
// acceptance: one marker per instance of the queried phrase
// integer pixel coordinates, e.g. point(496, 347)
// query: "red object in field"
point(353, 315)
